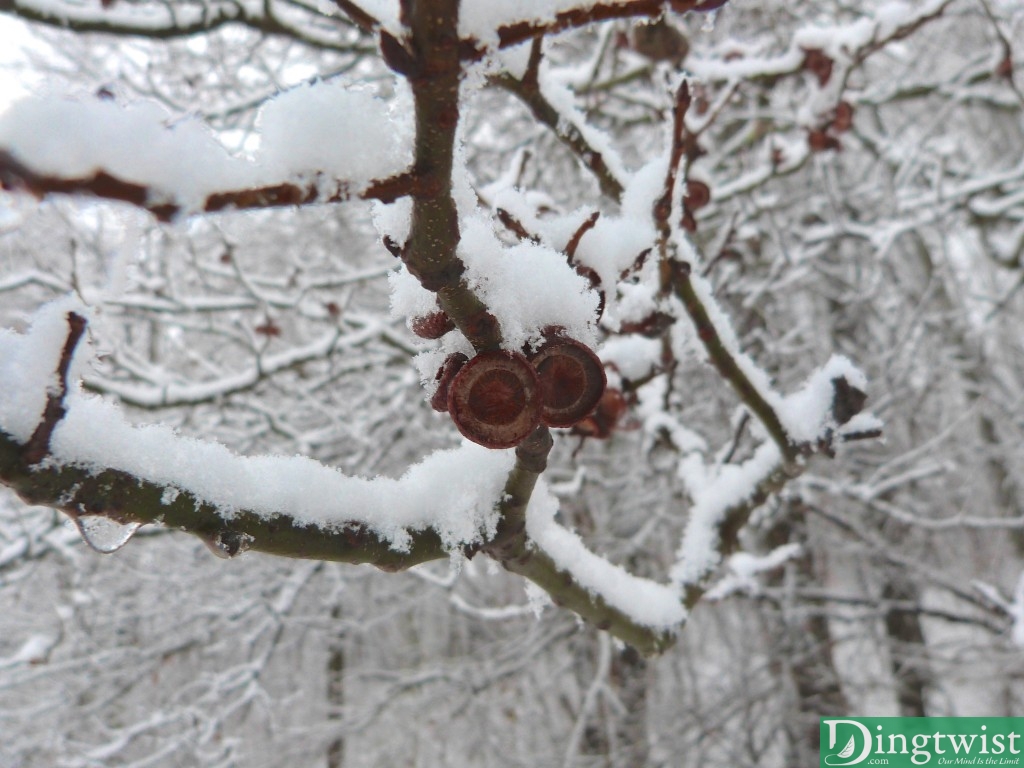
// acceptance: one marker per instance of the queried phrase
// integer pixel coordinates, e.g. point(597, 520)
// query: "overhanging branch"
point(15, 175)
point(124, 498)
point(574, 18)
point(163, 24)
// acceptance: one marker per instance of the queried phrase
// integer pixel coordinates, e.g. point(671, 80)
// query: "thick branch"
point(566, 592)
point(127, 499)
point(514, 550)
point(15, 175)
point(430, 254)
point(531, 461)
point(732, 521)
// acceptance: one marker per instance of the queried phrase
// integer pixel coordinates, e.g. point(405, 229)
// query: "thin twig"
point(38, 446)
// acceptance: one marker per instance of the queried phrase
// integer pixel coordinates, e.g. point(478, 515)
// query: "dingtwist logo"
point(840, 758)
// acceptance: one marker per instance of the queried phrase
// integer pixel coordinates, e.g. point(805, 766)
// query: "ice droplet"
point(104, 535)
point(228, 544)
point(709, 21)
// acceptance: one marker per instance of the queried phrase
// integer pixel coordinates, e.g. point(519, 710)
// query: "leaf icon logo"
point(848, 749)
point(843, 754)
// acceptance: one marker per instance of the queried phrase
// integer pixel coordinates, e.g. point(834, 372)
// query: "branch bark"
point(430, 61)
point(169, 28)
point(573, 18)
point(527, 90)
point(15, 175)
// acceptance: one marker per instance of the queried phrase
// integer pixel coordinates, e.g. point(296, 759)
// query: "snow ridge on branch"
point(319, 143)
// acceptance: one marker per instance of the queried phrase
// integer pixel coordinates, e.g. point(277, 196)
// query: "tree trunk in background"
point(336, 692)
point(805, 640)
point(629, 682)
point(909, 659)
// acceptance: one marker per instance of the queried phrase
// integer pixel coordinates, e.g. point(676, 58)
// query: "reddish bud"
point(268, 328)
point(843, 119)
point(698, 194)
point(393, 248)
point(451, 366)
point(494, 400)
point(433, 325)
point(1005, 67)
point(572, 381)
point(818, 64)
point(819, 141)
point(397, 56)
point(652, 326)
point(602, 422)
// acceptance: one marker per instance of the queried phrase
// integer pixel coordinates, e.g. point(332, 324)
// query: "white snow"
point(453, 491)
point(1017, 613)
point(138, 143)
point(322, 130)
point(481, 19)
point(808, 411)
point(634, 357)
point(734, 484)
point(837, 41)
point(346, 133)
point(744, 567)
point(645, 602)
point(36, 649)
point(527, 287)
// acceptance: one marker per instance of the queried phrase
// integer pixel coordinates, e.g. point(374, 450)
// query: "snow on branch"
point(451, 494)
point(460, 501)
point(160, 21)
point(846, 43)
point(552, 104)
point(484, 24)
point(318, 143)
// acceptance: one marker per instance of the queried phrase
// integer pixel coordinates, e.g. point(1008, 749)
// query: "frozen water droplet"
point(709, 21)
point(103, 534)
point(228, 544)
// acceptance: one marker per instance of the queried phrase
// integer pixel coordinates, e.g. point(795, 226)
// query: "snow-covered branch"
point(160, 21)
point(484, 25)
point(585, 143)
point(140, 154)
point(466, 500)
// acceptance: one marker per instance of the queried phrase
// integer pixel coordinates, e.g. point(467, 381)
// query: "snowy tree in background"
point(578, 291)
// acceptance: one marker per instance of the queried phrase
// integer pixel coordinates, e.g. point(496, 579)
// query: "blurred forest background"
point(867, 201)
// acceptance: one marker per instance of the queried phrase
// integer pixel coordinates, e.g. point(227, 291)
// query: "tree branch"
point(15, 175)
point(125, 498)
point(39, 444)
point(724, 361)
point(134, 497)
point(528, 91)
point(111, 22)
point(429, 254)
point(573, 18)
